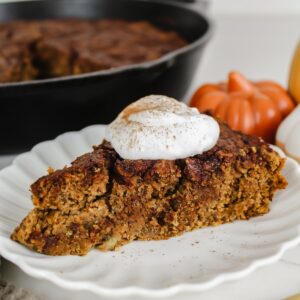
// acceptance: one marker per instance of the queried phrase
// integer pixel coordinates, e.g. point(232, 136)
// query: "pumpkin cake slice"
point(105, 201)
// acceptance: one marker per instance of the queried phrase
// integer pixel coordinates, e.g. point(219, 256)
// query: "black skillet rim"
point(123, 69)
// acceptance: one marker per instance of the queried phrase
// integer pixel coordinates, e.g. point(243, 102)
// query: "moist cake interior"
point(104, 201)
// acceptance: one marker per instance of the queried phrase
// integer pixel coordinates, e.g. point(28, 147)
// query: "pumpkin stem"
point(238, 83)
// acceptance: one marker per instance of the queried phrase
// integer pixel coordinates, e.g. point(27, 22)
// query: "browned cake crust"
point(104, 201)
point(53, 48)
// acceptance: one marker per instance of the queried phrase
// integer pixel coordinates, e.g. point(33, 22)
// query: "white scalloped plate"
point(195, 261)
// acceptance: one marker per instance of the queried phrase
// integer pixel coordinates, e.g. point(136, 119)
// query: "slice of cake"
point(103, 200)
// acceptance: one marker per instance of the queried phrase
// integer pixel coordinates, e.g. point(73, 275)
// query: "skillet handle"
point(198, 5)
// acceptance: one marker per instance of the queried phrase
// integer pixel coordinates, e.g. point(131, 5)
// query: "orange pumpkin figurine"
point(255, 108)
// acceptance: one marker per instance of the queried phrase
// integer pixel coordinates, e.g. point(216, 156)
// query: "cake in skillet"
point(53, 48)
point(104, 200)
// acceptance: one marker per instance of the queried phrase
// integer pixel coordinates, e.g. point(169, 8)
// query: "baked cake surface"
point(104, 201)
point(52, 48)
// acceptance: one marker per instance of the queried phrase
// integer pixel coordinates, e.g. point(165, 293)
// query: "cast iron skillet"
point(36, 110)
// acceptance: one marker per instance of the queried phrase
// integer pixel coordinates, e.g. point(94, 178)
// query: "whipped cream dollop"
point(159, 127)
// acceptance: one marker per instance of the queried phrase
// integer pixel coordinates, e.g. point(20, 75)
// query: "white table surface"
point(259, 45)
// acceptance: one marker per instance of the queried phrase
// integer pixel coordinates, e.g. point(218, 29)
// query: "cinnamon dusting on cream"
point(159, 127)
